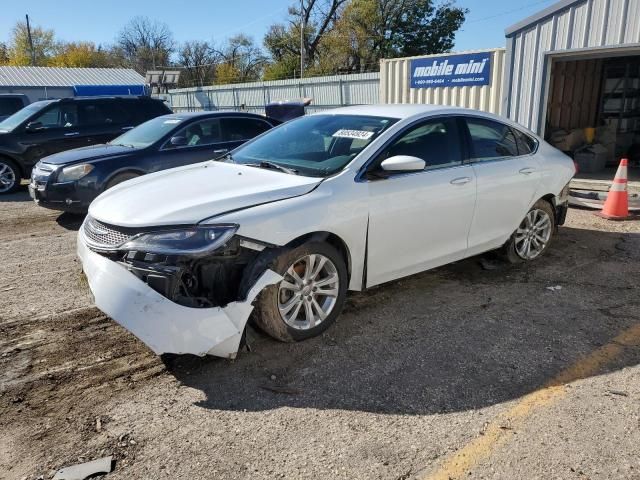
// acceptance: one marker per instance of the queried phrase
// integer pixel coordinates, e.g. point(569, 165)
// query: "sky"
point(216, 20)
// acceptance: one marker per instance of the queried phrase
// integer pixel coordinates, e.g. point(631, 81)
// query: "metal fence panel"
point(326, 92)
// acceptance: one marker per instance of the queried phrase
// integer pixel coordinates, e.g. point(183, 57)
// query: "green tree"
point(282, 41)
point(4, 54)
point(82, 54)
point(44, 45)
point(421, 27)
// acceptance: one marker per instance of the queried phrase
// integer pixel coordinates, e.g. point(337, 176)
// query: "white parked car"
point(341, 200)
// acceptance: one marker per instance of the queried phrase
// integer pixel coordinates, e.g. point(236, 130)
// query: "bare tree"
point(241, 60)
point(145, 44)
point(199, 60)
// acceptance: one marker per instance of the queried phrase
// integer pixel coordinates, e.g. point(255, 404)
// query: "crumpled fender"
point(163, 325)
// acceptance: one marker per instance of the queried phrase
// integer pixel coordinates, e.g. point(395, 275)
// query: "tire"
point(537, 227)
point(119, 178)
point(10, 176)
point(294, 324)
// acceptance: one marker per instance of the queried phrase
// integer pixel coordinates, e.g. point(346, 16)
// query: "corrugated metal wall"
point(40, 93)
point(579, 25)
point(326, 92)
point(394, 86)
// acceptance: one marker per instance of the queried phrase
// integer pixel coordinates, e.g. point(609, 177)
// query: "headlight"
point(195, 242)
point(76, 172)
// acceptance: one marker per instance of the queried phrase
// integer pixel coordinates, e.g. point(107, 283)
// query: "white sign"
point(359, 134)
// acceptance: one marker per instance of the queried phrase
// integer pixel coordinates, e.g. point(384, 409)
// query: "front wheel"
point(121, 177)
point(9, 176)
point(309, 297)
point(532, 238)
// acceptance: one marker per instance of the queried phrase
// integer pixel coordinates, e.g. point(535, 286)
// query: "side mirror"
point(178, 141)
point(34, 126)
point(403, 163)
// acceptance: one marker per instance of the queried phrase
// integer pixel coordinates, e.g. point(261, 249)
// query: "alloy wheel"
point(533, 234)
point(308, 292)
point(7, 177)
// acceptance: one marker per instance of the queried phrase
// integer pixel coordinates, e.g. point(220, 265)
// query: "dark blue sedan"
point(70, 180)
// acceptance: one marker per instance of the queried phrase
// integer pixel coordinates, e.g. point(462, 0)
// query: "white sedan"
point(286, 224)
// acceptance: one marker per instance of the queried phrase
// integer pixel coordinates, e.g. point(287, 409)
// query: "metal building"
point(399, 82)
point(40, 83)
point(576, 66)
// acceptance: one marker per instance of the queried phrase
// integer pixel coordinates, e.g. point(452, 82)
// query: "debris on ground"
point(618, 392)
point(85, 470)
point(281, 389)
point(487, 264)
point(554, 288)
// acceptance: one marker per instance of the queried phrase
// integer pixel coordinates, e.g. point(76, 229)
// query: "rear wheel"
point(532, 238)
point(9, 176)
point(309, 297)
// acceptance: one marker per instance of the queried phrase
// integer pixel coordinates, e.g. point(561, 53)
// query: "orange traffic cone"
point(616, 206)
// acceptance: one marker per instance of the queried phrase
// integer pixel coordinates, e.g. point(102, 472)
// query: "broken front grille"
point(105, 236)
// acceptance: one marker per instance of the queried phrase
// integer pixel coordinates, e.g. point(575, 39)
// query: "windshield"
point(9, 123)
point(317, 145)
point(148, 132)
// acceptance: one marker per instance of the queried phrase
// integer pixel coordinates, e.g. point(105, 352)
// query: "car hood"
point(188, 195)
point(87, 154)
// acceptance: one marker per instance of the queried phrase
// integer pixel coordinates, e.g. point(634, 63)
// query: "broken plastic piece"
point(84, 470)
point(163, 325)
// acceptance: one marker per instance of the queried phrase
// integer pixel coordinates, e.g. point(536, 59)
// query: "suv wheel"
point(309, 297)
point(9, 176)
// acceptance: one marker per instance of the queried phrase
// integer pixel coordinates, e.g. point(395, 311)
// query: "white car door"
point(420, 220)
point(506, 182)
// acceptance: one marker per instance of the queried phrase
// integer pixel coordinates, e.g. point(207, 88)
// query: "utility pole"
point(33, 53)
point(302, 38)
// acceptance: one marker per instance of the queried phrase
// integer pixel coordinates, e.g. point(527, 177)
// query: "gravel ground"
point(412, 373)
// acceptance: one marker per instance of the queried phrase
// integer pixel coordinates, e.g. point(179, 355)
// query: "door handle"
point(71, 134)
point(527, 170)
point(460, 181)
point(221, 151)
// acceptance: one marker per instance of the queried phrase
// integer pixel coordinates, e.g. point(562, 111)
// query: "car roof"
point(216, 113)
point(408, 111)
point(108, 97)
point(398, 111)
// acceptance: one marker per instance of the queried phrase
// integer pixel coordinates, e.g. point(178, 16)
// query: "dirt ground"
point(463, 371)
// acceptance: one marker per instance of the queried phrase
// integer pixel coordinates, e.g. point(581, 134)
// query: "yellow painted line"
point(499, 431)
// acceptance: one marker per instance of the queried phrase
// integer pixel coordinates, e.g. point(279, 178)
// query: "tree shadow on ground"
point(456, 338)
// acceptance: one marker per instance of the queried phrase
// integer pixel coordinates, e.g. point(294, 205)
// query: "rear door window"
point(239, 129)
point(9, 105)
point(526, 144)
point(103, 112)
point(490, 139)
point(146, 109)
point(204, 132)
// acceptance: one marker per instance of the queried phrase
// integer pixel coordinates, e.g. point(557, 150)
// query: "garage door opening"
point(593, 114)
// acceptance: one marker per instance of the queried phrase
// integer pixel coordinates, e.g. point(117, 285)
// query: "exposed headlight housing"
point(75, 172)
point(194, 241)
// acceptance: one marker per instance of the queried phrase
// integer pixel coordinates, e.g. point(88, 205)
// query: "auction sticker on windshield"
point(361, 134)
point(172, 120)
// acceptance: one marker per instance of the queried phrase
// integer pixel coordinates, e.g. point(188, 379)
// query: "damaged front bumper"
point(163, 325)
